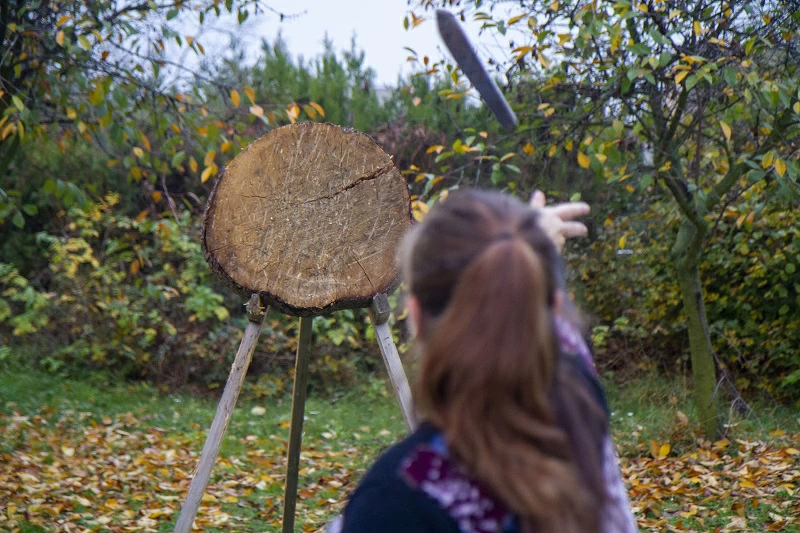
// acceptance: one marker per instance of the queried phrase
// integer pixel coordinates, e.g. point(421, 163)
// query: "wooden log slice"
point(310, 216)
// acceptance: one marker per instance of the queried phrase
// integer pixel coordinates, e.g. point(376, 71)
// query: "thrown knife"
point(457, 42)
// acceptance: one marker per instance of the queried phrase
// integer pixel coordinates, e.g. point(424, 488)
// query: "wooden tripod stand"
point(269, 231)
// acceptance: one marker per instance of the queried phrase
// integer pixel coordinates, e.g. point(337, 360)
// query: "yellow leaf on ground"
point(663, 451)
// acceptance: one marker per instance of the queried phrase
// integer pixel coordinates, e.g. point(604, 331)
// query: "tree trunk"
point(686, 254)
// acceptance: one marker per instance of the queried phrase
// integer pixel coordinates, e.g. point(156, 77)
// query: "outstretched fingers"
point(574, 229)
point(571, 210)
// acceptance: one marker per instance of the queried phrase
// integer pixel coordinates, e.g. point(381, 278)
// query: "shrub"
point(625, 280)
point(135, 297)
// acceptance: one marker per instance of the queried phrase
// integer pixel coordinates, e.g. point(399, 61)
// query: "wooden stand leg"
point(223, 416)
point(296, 428)
point(379, 314)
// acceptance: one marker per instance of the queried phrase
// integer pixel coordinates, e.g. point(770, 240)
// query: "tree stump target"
point(308, 219)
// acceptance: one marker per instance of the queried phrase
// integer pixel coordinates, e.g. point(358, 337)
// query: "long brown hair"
point(512, 407)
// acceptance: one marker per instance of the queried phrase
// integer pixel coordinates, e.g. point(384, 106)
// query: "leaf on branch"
point(235, 99)
point(251, 94)
point(679, 77)
point(257, 110)
point(60, 38)
point(726, 130)
point(435, 148)
point(17, 101)
point(543, 60)
point(419, 210)
point(208, 172)
point(583, 160)
point(780, 167)
point(145, 142)
point(766, 161)
point(292, 112)
point(318, 108)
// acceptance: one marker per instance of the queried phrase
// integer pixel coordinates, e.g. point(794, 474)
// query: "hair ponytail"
point(490, 373)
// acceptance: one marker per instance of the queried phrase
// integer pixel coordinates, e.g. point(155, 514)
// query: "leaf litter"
point(71, 471)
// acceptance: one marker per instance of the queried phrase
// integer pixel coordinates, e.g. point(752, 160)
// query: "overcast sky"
point(378, 25)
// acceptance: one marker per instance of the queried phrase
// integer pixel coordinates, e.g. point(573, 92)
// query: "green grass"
point(346, 431)
point(648, 409)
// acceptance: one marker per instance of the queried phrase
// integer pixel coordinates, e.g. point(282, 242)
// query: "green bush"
point(128, 296)
point(625, 280)
point(135, 297)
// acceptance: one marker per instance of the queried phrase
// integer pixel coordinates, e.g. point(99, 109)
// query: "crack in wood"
point(369, 177)
point(365, 274)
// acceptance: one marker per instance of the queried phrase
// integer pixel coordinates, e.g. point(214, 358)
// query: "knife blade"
point(467, 59)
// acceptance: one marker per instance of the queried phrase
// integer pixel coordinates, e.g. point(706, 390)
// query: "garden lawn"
point(77, 456)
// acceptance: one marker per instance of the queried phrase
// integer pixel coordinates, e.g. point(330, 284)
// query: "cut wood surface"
point(310, 216)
